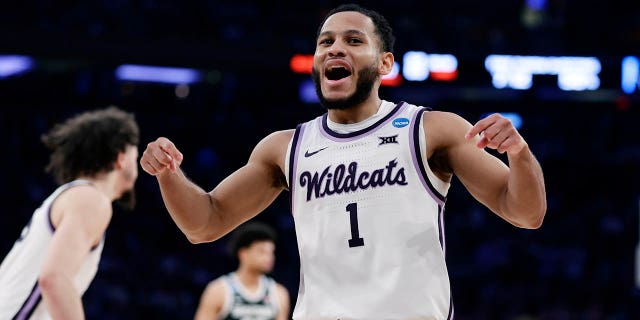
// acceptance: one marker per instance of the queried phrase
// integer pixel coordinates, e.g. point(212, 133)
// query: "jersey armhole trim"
point(292, 163)
point(30, 304)
point(67, 187)
point(417, 157)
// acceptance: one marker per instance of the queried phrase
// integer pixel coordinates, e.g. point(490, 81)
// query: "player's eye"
point(325, 41)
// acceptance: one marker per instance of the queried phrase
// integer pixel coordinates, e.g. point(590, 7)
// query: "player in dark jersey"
point(247, 293)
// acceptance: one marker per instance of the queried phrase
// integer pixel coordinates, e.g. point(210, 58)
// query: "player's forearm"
point(61, 298)
point(525, 199)
point(190, 207)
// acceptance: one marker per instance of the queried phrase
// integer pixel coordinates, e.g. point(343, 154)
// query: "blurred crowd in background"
point(580, 265)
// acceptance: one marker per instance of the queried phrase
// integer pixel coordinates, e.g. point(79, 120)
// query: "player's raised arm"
point(515, 192)
point(206, 216)
point(161, 155)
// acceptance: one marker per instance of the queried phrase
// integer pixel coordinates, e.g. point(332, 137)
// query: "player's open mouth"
point(337, 72)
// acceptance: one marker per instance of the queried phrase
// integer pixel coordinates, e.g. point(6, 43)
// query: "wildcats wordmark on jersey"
point(368, 213)
point(347, 178)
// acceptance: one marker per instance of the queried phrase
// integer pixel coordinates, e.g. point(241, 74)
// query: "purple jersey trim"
point(50, 222)
point(293, 162)
point(414, 139)
point(30, 304)
point(443, 244)
point(69, 186)
point(345, 137)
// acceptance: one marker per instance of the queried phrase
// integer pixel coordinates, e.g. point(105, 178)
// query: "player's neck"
point(104, 183)
point(249, 278)
point(357, 113)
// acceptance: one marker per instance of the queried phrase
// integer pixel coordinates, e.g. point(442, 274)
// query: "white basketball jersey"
point(368, 213)
point(20, 296)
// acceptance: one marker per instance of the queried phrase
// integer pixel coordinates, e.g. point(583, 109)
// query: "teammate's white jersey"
point(368, 213)
point(20, 296)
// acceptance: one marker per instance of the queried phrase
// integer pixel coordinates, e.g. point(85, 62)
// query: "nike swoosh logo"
point(308, 154)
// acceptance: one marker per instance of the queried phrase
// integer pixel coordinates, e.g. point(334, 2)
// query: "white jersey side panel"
point(368, 221)
point(20, 296)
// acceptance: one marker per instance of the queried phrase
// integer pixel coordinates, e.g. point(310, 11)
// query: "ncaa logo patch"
point(400, 122)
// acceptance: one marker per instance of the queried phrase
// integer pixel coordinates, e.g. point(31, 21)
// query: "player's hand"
point(159, 156)
point(497, 132)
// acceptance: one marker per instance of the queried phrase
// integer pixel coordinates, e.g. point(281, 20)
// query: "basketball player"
point(368, 183)
point(247, 293)
point(94, 158)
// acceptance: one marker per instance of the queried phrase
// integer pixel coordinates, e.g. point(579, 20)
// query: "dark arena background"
point(218, 76)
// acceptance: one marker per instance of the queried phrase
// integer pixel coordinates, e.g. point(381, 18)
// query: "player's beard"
point(366, 79)
point(127, 200)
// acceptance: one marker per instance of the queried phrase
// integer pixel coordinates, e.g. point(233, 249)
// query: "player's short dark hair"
point(383, 28)
point(245, 235)
point(89, 143)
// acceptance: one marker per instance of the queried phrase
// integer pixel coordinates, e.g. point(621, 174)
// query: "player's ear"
point(241, 253)
point(386, 63)
point(120, 160)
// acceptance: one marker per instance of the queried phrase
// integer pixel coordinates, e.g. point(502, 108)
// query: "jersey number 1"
point(355, 240)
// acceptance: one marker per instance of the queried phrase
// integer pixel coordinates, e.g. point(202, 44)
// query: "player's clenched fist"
point(159, 156)
point(497, 132)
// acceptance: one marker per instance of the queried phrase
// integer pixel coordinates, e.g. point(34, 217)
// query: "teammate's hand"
point(497, 132)
point(159, 156)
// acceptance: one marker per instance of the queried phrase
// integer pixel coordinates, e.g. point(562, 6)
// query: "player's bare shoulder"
point(77, 199)
point(285, 302)
point(443, 129)
point(282, 291)
point(270, 154)
point(216, 289)
point(280, 138)
point(272, 149)
point(211, 300)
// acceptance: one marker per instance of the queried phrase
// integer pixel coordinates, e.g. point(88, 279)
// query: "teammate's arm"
point(206, 216)
point(515, 192)
point(84, 214)
point(211, 301)
point(285, 303)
